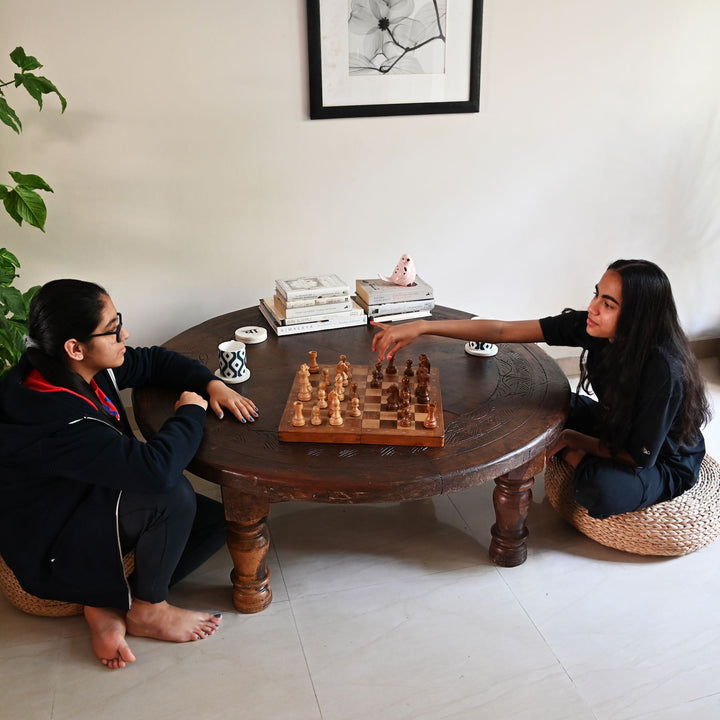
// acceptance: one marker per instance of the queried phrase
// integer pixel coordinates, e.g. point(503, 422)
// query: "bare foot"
point(163, 621)
point(107, 631)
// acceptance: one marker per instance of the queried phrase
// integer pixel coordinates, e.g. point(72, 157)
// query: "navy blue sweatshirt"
point(64, 465)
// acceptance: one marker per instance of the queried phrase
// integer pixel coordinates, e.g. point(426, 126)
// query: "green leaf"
point(13, 301)
point(7, 257)
point(12, 341)
point(30, 207)
point(23, 61)
point(10, 202)
point(23, 203)
point(8, 264)
point(7, 276)
point(4, 190)
point(37, 87)
point(9, 116)
point(30, 181)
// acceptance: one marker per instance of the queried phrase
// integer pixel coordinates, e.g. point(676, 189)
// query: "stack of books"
point(309, 304)
point(384, 301)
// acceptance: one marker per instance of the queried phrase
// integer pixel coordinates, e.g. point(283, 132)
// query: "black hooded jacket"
point(64, 465)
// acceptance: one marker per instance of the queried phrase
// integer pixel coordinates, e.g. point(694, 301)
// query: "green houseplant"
point(23, 203)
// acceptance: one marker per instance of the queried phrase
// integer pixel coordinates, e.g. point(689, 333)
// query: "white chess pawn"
point(298, 420)
point(355, 411)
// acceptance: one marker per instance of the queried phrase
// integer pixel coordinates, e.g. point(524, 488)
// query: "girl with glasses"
point(78, 491)
point(639, 442)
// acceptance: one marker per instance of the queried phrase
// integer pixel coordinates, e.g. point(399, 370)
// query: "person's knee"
point(605, 489)
point(181, 500)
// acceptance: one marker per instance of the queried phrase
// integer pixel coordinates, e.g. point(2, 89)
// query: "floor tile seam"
point(580, 694)
point(273, 548)
point(467, 527)
point(305, 657)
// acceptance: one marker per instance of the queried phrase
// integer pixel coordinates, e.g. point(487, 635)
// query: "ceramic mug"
point(482, 349)
point(232, 361)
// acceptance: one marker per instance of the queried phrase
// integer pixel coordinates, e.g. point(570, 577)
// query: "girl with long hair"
point(78, 491)
point(640, 441)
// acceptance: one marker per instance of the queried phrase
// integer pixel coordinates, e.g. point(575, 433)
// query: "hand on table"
point(221, 396)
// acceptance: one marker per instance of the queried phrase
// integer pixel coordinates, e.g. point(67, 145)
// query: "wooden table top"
point(499, 413)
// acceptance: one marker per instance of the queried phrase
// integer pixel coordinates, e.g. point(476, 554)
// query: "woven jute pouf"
point(676, 527)
point(33, 605)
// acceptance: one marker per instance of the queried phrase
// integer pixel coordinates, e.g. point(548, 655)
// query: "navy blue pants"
point(172, 535)
point(608, 487)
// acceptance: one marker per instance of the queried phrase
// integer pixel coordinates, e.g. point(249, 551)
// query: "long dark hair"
point(62, 309)
point(648, 318)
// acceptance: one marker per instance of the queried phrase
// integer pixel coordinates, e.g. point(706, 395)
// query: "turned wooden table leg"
point(512, 498)
point(248, 541)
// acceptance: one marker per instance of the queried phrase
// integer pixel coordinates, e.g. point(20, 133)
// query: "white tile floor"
point(394, 611)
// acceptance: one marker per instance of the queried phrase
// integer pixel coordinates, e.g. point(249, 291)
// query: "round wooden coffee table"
point(500, 415)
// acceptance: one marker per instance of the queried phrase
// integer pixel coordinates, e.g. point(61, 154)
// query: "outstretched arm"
point(392, 338)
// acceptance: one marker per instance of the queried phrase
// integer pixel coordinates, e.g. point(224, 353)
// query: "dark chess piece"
point(421, 391)
point(391, 369)
point(393, 397)
point(408, 370)
point(423, 361)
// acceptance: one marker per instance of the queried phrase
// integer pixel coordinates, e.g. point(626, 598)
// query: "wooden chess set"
point(365, 404)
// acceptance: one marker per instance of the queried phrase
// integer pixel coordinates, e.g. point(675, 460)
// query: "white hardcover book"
point(376, 292)
point(393, 308)
point(402, 316)
point(312, 287)
point(286, 311)
point(311, 302)
point(310, 326)
point(352, 310)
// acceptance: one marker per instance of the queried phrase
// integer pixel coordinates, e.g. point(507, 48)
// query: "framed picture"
point(393, 57)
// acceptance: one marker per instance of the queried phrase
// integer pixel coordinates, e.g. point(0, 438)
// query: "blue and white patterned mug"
point(232, 361)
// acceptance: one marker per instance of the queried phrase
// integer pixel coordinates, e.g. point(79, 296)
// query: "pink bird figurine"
point(404, 272)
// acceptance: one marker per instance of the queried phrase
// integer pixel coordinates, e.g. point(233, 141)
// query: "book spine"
point(310, 314)
point(329, 317)
point(311, 302)
point(396, 307)
point(402, 316)
point(307, 310)
point(310, 326)
point(374, 294)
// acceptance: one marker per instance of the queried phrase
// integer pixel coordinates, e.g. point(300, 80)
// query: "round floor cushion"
point(676, 527)
point(33, 605)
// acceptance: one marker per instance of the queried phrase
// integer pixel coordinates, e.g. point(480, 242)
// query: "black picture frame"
point(465, 80)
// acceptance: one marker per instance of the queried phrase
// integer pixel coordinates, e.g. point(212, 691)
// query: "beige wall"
point(188, 176)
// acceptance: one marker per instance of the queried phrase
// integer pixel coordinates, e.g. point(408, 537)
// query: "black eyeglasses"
point(116, 332)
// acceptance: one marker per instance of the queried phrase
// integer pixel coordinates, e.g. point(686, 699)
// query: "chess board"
point(376, 425)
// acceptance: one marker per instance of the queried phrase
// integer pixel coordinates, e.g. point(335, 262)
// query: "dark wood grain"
point(500, 414)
